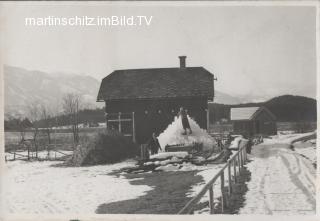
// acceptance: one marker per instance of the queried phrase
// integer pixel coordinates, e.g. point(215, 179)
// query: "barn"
point(141, 101)
point(252, 121)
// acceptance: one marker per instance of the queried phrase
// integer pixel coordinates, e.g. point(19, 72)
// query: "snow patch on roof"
point(243, 113)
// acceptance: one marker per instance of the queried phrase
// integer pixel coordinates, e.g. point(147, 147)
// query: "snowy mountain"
point(23, 86)
point(223, 98)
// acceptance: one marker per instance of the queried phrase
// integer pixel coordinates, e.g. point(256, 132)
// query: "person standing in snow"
point(153, 144)
point(185, 121)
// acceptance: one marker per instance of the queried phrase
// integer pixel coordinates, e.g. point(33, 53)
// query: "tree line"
point(41, 116)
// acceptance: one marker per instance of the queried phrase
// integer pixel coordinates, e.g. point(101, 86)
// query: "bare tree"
point(71, 106)
point(34, 116)
point(46, 117)
point(23, 125)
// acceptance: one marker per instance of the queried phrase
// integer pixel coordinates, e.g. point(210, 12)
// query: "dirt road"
point(282, 182)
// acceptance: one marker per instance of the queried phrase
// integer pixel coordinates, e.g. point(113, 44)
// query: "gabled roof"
point(248, 113)
point(157, 83)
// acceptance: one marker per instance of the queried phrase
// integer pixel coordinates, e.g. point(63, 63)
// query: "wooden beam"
point(133, 129)
point(106, 116)
point(229, 177)
point(119, 119)
point(122, 120)
point(222, 191)
point(211, 200)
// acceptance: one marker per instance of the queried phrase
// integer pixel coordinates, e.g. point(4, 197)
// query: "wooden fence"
point(233, 169)
point(30, 153)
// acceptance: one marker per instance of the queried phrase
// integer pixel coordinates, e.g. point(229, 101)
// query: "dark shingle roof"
point(156, 83)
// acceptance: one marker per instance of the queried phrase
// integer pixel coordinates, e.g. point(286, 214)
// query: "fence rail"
point(236, 162)
point(31, 153)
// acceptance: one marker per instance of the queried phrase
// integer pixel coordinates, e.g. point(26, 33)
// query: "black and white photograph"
point(173, 108)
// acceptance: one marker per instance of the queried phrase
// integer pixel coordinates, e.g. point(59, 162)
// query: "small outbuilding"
point(139, 102)
point(252, 121)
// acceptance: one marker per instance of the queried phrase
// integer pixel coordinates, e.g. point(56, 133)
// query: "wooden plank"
point(243, 156)
point(106, 115)
point(239, 164)
point(121, 120)
point(229, 178)
point(222, 191)
point(235, 171)
point(240, 154)
point(133, 129)
point(208, 122)
point(246, 154)
point(211, 200)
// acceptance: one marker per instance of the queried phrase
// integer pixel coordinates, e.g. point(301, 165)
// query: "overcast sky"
point(265, 51)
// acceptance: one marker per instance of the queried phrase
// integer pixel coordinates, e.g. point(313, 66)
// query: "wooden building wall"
point(263, 123)
point(155, 115)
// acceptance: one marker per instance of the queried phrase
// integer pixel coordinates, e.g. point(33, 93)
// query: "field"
point(62, 137)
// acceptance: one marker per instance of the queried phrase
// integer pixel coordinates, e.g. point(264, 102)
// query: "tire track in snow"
point(294, 176)
point(262, 185)
point(281, 183)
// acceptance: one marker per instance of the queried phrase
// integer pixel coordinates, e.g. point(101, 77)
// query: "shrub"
point(104, 148)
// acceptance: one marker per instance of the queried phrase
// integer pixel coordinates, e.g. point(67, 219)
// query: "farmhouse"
point(253, 120)
point(141, 101)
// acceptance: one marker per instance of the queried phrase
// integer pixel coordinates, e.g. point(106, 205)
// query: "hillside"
point(286, 108)
point(24, 86)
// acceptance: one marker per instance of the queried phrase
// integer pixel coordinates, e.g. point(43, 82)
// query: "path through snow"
point(282, 182)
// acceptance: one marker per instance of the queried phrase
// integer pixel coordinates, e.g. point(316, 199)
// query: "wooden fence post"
point(133, 129)
point(106, 115)
point(28, 152)
point(211, 202)
point(234, 170)
point(240, 154)
point(229, 177)
point(119, 120)
point(222, 192)
point(239, 163)
point(208, 122)
point(245, 153)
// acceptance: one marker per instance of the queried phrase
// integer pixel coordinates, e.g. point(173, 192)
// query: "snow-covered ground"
point(285, 138)
point(164, 155)
point(281, 183)
point(36, 187)
point(309, 152)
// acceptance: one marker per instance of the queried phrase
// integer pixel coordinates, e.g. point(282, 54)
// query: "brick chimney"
point(182, 61)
